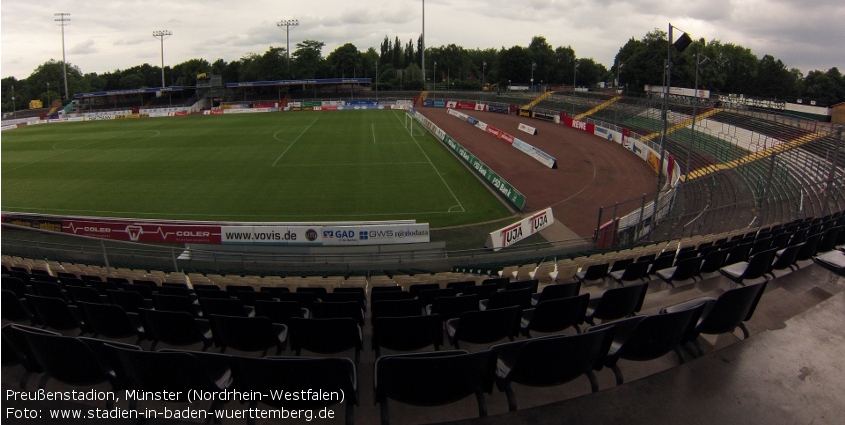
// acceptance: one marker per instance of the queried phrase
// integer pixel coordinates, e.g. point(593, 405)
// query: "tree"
point(52, 73)
point(369, 59)
point(564, 65)
point(385, 56)
point(345, 61)
point(185, 73)
point(397, 55)
point(741, 66)
point(774, 80)
point(386, 76)
point(10, 86)
point(410, 55)
point(96, 82)
point(644, 60)
point(412, 78)
point(514, 65)
point(274, 64)
point(824, 87)
point(131, 81)
point(488, 73)
point(543, 55)
point(590, 72)
point(308, 59)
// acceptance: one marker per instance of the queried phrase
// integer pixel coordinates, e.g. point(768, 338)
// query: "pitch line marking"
point(158, 133)
point(374, 133)
point(276, 133)
point(294, 141)
point(432, 165)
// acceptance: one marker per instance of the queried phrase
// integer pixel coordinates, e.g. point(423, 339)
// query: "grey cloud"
point(87, 47)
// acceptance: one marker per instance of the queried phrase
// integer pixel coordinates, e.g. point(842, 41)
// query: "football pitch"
point(264, 167)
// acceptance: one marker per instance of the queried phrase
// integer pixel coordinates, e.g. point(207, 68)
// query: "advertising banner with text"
point(509, 192)
point(271, 235)
point(520, 230)
point(579, 125)
point(376, 234)
point(127, 230)
point(527, 128)
point(499, 183)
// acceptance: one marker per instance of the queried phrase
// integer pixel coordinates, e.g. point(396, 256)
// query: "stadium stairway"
point(423, 96)
point(598, 108)
point(539, 99)
point(680, 125)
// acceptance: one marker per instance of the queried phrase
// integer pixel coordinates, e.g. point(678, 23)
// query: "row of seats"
point(429, 378)
point(89, 272)
point(742, 257)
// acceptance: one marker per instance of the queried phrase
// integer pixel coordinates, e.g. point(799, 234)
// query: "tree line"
point(729, 68)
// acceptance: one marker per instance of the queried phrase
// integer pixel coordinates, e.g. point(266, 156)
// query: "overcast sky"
point(116, 34)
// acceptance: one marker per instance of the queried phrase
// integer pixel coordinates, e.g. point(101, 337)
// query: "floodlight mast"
point(162, 34)
point(423, 43)
point(63, 20)
point(287, 23)
point(679, 45)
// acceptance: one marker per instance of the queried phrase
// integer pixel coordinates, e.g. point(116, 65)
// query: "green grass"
point(296, 166)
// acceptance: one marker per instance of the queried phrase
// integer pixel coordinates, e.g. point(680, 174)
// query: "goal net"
point(413, 127)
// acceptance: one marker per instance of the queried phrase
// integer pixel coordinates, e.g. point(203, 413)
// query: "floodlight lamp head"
point(682, 42)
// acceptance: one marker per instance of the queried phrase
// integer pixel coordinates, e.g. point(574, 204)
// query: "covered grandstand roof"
point(128, 92)
point(300, 82)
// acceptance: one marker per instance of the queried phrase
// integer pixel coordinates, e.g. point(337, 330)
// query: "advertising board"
point(127, 230)
point(271, 235)
point(528, 129)
point(499, 109)
point(376, 234)
point(509, 235)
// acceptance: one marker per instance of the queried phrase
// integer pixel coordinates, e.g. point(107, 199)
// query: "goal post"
point(413, 127)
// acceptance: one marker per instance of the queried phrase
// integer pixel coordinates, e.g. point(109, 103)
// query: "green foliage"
point(732, 69)
point(308, 60)
point(345, 61)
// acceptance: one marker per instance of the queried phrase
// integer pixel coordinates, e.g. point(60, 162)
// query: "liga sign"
point(520, 230)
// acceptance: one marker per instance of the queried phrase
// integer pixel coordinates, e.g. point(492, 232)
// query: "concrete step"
point(779, 305)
